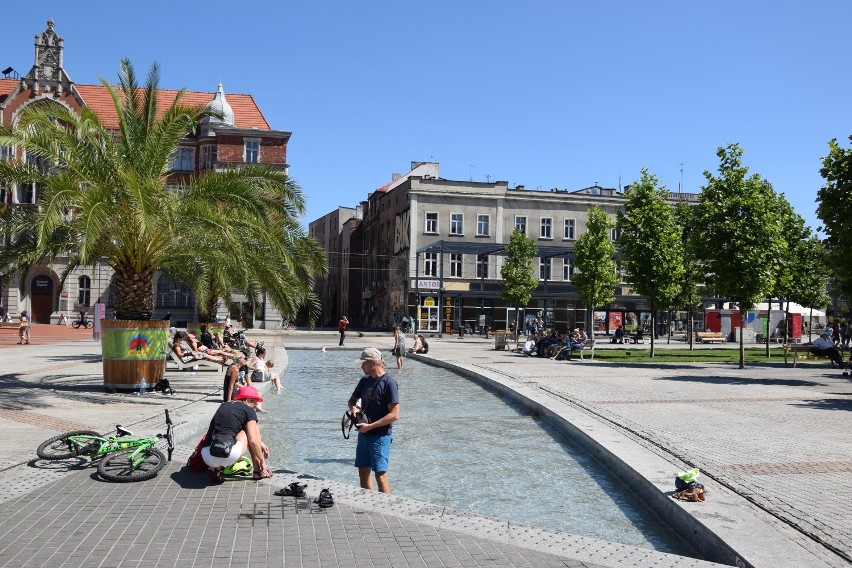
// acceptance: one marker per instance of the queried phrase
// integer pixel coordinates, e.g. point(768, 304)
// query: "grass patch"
point(722, 355)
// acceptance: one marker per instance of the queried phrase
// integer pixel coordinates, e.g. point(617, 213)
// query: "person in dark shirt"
point(379, 397)
point(235, 423)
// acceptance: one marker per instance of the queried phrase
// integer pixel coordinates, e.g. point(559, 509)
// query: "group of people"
point(234, 432)
point(555, 346)
point(620, 335)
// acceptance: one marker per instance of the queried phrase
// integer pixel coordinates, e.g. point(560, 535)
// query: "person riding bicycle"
point(232, 431)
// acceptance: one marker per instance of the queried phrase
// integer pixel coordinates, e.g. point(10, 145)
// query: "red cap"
point(248, 392)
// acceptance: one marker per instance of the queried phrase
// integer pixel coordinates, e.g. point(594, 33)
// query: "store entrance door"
point(41, 289)
point(428, 316)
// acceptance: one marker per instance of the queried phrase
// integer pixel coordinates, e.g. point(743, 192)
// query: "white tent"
point(794, 309)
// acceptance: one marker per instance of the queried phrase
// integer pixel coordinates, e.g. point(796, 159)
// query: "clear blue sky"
point(541, 93)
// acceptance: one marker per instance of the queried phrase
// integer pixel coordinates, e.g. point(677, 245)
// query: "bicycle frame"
point(79, 444)
point(138, 456)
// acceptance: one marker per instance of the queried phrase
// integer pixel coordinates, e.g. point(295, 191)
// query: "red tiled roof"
point(246, 112)
point(385, 187)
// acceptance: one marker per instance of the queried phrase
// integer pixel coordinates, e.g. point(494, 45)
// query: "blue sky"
point(540, 93)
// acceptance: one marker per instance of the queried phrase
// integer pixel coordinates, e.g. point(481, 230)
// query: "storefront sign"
point(426, 284)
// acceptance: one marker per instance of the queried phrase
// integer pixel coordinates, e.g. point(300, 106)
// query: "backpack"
point(164, 387)
point(196, 462)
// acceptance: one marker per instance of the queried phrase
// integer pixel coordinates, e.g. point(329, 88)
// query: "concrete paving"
point(770, 440)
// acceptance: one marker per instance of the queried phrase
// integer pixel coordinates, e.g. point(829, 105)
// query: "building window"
point(544, 268)
point(430, 264)
point(482, 222)
point(546, 230)
point(567, 270)
point(84, 295)
point(171, 294)
point(208, 156)
point(184, 160)
point(5, 153)
point(521, 224)
point(252, 151)
point(613, 234)
point(570, 229)
point(432, 223)
point(456, 223)
point(482, 266)
point(456, 265)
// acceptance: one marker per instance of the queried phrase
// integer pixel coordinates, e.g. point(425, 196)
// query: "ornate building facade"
point(242, 136)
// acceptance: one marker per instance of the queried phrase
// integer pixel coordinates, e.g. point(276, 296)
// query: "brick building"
point(242, 136)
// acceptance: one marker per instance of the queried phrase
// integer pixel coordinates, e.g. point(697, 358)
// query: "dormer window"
point(184, 160)
point(252, 151)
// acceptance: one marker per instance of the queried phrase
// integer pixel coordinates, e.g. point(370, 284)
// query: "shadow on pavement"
point(743, 381)
point(826, 404)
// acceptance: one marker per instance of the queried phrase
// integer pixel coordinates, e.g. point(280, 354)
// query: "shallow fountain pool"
point(460, 445)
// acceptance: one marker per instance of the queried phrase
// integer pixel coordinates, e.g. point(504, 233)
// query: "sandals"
point(265, 474)
point(325, 500)
point(216, 477)
point(293, 490)
point(695, 494)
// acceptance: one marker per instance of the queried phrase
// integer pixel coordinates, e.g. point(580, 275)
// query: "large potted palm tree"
point(105, 199)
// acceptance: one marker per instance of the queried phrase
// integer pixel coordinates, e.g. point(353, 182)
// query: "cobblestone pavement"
point(772, 435)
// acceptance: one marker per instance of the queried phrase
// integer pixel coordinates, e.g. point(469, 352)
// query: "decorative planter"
point(133, 351)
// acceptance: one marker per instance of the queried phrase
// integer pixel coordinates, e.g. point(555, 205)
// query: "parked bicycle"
point(123, 458)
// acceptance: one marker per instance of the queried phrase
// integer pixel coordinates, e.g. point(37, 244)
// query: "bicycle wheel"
point(59, 447)
point(116, 466)
point(75, 324)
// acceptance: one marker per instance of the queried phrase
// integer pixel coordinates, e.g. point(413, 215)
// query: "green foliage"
point(593, 257)
point(835, 211)
point(795, 233)
point(809, 274)
point(517, 279)
point(649, 241)
point(103, 197)
point(693, 271)
point(740, 232)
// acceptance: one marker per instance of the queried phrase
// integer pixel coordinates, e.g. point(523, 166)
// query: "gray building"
point(432, 250)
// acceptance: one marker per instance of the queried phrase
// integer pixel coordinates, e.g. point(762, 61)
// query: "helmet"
point(248, 392)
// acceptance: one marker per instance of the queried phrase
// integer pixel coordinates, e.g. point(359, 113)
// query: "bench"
point(10, 327)
point(709, 337)
point(796, 351)
point(589, 346)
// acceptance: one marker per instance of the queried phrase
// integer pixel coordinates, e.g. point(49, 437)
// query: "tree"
point(104, 197)
point(594, 259)
point(795, 233)
point(740, 233)
point(517, 279)
point(649, 241)
point(835, 211)
point(810, 273)
point(693, 271)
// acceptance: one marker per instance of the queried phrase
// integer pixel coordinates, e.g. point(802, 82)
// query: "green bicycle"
point(123, 458)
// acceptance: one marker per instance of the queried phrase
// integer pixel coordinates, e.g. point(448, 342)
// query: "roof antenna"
point(680, 183)
point(471, 166)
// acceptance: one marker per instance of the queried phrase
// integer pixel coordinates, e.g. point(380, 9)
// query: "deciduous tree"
point(594, 255)
point(517, 279)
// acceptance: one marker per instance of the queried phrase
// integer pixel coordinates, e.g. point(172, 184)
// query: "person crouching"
point(232, 431)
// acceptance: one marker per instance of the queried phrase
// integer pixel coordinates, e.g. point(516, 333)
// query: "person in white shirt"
point(529, 346)
point(824, 346)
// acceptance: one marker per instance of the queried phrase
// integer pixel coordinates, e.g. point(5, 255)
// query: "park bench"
point(709, 337)
point(589, 346)
point(795, 351)
point(9, 327)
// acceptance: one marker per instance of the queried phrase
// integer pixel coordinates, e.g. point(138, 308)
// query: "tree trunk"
point(742, 342)
point(653, 326)
point(691, 328)
point(134, 295)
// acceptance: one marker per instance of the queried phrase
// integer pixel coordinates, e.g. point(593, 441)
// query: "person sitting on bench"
point(619, 335)
point(823, 346)
point(637, 337)
point(529, 347)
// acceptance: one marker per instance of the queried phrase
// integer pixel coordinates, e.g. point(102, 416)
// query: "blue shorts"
point(373, 452)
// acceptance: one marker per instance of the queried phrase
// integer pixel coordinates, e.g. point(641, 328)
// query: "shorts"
point(213, 461)
point(373, 452)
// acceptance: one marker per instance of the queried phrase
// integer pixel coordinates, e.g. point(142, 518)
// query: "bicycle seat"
point(122, 431)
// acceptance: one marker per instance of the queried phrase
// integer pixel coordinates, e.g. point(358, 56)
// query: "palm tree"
point(104, 197)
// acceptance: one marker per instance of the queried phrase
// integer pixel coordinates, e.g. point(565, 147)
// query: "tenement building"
point(242, 136)
point(431, 249)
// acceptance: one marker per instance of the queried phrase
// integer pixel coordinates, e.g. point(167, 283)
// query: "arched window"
point(84, 297)
point(171, 294)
